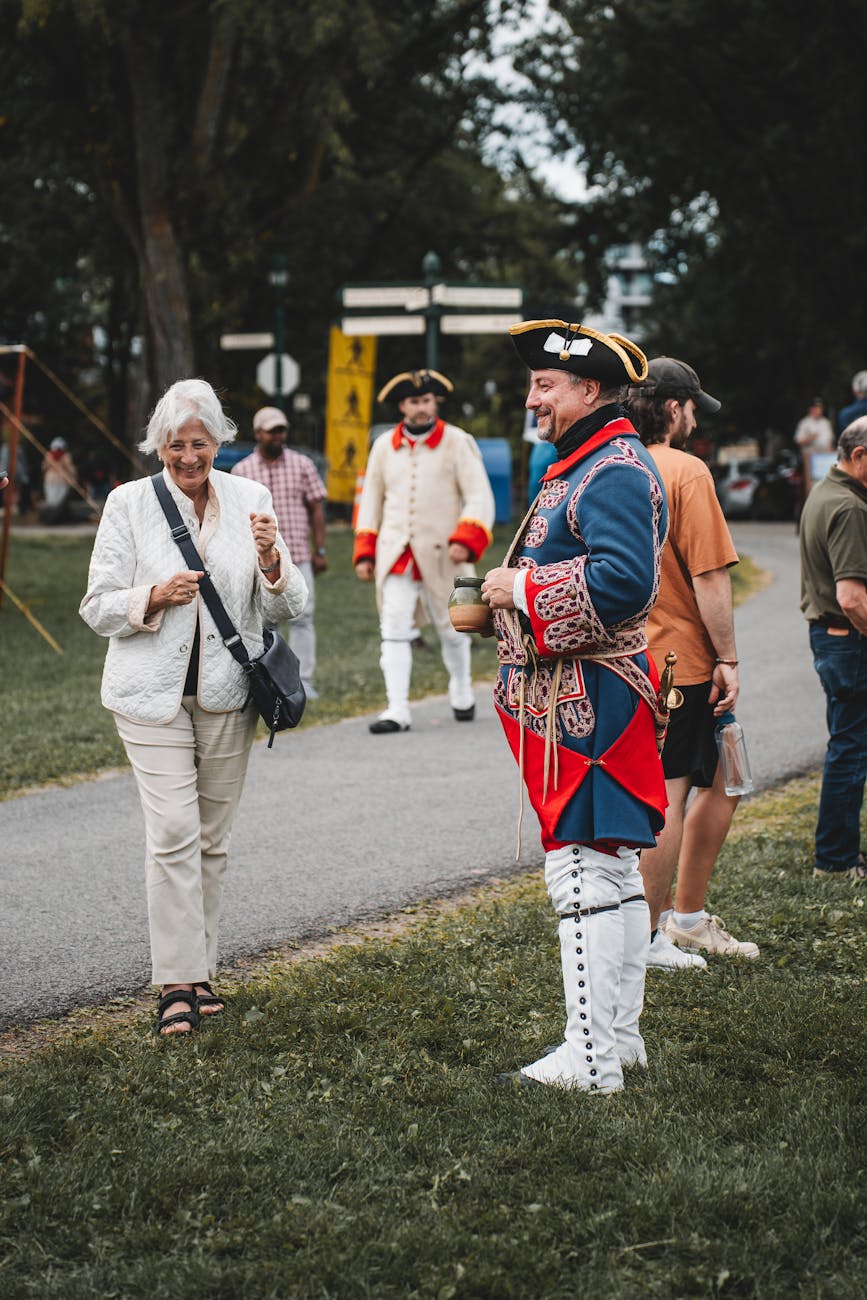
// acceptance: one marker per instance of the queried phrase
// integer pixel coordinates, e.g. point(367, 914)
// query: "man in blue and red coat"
point(577, 692)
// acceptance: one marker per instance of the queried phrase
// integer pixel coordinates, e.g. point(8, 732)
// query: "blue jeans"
point(841, 662)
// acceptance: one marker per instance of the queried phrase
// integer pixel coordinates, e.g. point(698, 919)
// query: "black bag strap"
point(187, 547)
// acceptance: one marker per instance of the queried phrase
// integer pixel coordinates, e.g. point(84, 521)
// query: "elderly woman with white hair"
point(179, 698)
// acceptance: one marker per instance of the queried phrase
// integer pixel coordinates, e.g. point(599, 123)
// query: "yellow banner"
point(351, 367)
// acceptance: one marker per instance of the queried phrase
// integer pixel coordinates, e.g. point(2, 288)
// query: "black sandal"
point(208, 999)
point(190, 1017)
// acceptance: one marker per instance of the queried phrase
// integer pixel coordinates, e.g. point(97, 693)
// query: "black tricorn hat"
point(556, 345)
point(415, 383)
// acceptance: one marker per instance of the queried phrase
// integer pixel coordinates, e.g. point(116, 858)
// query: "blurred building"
point(629, 294)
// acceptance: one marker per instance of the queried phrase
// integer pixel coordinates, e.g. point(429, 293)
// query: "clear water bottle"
point(733, 755)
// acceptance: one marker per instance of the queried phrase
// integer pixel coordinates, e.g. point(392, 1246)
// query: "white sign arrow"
point(238, 342)
point(479, 295)
point(384, 295)
point(352, 325)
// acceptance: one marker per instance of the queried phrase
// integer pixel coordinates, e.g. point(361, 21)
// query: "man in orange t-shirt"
point(693, 616)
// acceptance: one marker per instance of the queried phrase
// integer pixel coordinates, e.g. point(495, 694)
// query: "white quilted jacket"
point(147, 657)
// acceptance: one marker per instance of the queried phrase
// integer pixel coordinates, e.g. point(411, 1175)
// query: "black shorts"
point(690, 743)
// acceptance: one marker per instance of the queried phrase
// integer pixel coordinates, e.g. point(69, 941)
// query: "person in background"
point(857, 408)
point(693, 616)
point(833, 541)
point(577, 692)
point(813, 435)
point(58, 477)
point(298, 494)
point(814, 432)
point(426, 514)
point(180, 700)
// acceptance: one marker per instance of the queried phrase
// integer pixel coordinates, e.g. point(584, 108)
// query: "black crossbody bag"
point(274, 678)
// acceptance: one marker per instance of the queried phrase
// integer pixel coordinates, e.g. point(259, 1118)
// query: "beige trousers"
point(190, 774)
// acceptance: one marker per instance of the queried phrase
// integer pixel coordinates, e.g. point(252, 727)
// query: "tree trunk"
point(160, 260)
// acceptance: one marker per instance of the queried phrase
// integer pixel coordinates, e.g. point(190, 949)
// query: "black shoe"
point(383, 726)
point(465, 715)
point(518, 1080)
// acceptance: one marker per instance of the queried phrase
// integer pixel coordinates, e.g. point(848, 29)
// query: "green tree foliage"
point(176, 147)
point(730, 136)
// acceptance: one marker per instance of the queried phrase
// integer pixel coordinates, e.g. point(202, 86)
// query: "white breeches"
point(604, 934)
point(190, 773)
point(400, 595)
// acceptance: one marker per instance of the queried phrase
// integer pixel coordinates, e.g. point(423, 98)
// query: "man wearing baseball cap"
point(298, 494)
point(426, 514)
point(577, 692)
point(693, 616)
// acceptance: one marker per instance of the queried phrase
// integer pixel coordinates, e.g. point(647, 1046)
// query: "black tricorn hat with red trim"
point(415, 383)
point(580, 350)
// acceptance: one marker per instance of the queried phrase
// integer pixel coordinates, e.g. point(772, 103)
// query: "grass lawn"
point(338, 1134)
point(54, 727)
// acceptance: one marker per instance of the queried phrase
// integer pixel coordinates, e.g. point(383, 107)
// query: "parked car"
point(756, 487)
point(736, 483)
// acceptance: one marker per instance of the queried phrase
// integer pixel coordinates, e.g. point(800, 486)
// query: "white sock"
point(688, 920)
point(664, 915)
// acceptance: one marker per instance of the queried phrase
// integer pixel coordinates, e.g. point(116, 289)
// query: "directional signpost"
point(277, 373)
point(429, 308)
point(242, 342)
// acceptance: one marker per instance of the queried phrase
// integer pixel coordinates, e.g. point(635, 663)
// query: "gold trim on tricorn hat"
point(580, 350)
point(415, 383)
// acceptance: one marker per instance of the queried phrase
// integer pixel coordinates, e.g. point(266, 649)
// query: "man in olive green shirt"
point(834, 602)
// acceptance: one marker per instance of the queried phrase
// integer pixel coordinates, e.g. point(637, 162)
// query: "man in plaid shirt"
point(298, 493)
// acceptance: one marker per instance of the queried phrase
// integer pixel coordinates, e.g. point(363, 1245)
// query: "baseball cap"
point(269, 417)
point(668, 372)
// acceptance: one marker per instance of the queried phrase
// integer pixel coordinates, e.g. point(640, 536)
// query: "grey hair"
point(188, 399)
point(606, 394)
point(854, 435)
point(859, 383)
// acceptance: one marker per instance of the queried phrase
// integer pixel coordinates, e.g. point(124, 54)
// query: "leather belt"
point(832, 620)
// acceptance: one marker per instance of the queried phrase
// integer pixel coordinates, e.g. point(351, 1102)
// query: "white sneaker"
point(662, 952)
point(711, 935)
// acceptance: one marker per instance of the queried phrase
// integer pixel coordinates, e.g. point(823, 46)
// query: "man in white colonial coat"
point(426, 514)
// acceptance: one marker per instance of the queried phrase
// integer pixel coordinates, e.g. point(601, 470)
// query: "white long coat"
point(147, 658)
point(416, 497)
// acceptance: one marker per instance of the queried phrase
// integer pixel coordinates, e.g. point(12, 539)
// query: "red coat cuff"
point(365, 547)
point(473, 535)
point(560, 617)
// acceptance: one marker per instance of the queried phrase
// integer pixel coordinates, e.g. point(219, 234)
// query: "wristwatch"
point(320, 550)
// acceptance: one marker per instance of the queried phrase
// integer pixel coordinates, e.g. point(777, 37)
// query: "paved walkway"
point(337, 826)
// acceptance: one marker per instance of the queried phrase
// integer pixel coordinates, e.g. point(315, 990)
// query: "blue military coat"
point(576, 688)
